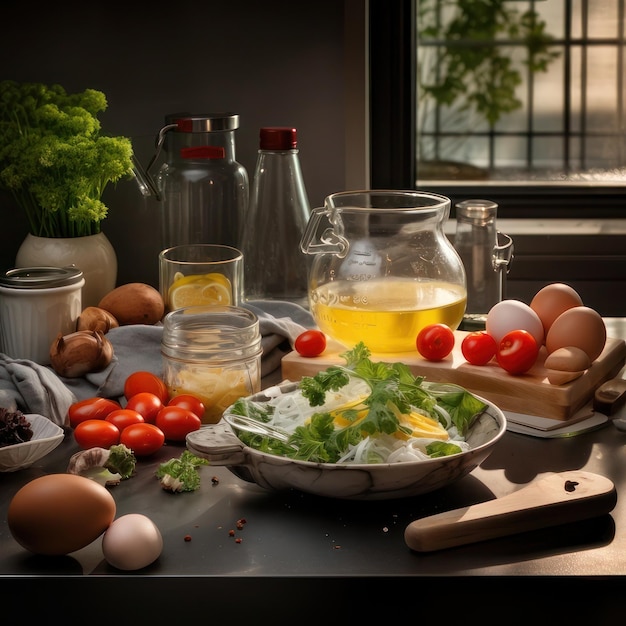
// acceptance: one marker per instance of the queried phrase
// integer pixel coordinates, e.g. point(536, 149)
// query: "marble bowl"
point(46, 437)
point(220, 445)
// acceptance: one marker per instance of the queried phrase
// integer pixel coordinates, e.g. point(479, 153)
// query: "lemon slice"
point(200, 289)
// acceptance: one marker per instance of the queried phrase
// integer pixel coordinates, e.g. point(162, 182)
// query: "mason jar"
point(213, 353)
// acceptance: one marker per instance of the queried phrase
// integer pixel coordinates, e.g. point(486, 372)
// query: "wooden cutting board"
point(530, 393)
point(548, 501)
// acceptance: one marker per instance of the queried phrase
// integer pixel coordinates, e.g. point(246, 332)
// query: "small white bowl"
point(46, 437)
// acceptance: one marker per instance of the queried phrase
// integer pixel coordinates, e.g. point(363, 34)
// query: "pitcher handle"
point(502, 252)
point(331, 240)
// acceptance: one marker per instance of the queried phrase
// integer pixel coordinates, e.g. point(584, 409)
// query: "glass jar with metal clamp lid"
point(201, 188)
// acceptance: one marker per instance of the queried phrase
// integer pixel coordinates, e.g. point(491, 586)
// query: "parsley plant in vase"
point(56, 164)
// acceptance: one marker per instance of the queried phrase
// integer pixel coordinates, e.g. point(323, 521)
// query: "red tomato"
point(143, 439)
point(176, 422)
point(517, 351)
point(478, 347)
point(91, 408)
point(187, 401)
point(310, 343)
point(435, 342)
point(124, 417)
point(145, 381)
point(146, 403)
point(96, 433)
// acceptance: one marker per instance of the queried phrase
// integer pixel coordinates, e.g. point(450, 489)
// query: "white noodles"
point(292, 409)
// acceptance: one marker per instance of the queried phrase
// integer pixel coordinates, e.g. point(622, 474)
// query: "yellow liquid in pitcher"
point(386, 314)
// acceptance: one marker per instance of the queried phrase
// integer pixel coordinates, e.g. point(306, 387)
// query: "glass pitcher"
point(382, 268)
point(202, 190)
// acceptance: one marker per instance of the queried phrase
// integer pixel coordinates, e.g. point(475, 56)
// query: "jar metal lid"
point(202, 122)
point(41, 277)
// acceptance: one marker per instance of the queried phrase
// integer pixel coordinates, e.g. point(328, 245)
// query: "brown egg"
point(554, 299)
point(568, 359)
point(60, 513)
point(579, 327)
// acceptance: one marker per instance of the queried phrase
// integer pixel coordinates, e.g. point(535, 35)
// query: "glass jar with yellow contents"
point(213, 353)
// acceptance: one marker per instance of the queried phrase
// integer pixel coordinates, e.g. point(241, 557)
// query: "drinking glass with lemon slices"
point(200, 275)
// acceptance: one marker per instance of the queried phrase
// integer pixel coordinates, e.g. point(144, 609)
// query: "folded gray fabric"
point(136, 347)
point(280, 323)
point(34, 388)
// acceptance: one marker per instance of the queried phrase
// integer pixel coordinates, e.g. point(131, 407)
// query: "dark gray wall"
point(274, 62)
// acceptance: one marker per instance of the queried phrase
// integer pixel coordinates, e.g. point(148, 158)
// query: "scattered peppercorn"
point(238, 540)
point(231, 533)
point(187, 537)
point(215, 480)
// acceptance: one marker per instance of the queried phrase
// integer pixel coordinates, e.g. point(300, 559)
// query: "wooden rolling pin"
point(554, 499)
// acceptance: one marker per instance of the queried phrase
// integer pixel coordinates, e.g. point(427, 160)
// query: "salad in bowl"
point(363, 430)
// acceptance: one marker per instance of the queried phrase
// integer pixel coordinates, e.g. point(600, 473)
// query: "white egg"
point(509, 315)
point(131, 542)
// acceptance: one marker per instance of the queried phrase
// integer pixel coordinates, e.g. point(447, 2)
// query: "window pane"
point(480, 104)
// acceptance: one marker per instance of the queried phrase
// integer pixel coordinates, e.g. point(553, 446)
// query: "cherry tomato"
point(91, 408)
point(143, 439)
point(146, 403)
point(176, 422)
point(478, 347)
point(96, 433)
point(145, 381)
point(435, 342)
point(517, 352)
point(310, 343)
point(124, 417)
point(187, 401)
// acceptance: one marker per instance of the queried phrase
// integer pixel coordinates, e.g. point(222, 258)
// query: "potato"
point(134, 303)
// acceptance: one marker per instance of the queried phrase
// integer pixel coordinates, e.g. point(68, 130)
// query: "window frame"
point(393, 161)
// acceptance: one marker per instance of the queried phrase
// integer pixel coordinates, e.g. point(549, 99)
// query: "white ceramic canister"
point(36, 304)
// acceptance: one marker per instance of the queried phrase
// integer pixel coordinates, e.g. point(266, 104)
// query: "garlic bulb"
point(81, 352)
point(95, 318)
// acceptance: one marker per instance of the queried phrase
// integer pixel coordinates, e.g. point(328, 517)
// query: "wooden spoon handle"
point(554, 499)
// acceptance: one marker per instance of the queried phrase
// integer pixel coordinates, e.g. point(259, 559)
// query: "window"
point(556, 147)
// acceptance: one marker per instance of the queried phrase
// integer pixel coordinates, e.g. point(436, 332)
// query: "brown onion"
point(81, 352)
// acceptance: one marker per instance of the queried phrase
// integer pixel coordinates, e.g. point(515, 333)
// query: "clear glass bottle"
point(213, 353)
point(203, 190)
point(274, 266)
point(486, 254)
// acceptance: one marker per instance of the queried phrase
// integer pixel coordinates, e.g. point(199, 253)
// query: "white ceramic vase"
point(93, 254)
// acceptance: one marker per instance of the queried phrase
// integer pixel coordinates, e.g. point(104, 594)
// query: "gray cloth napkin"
point(138, 348)
point(34, 388)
